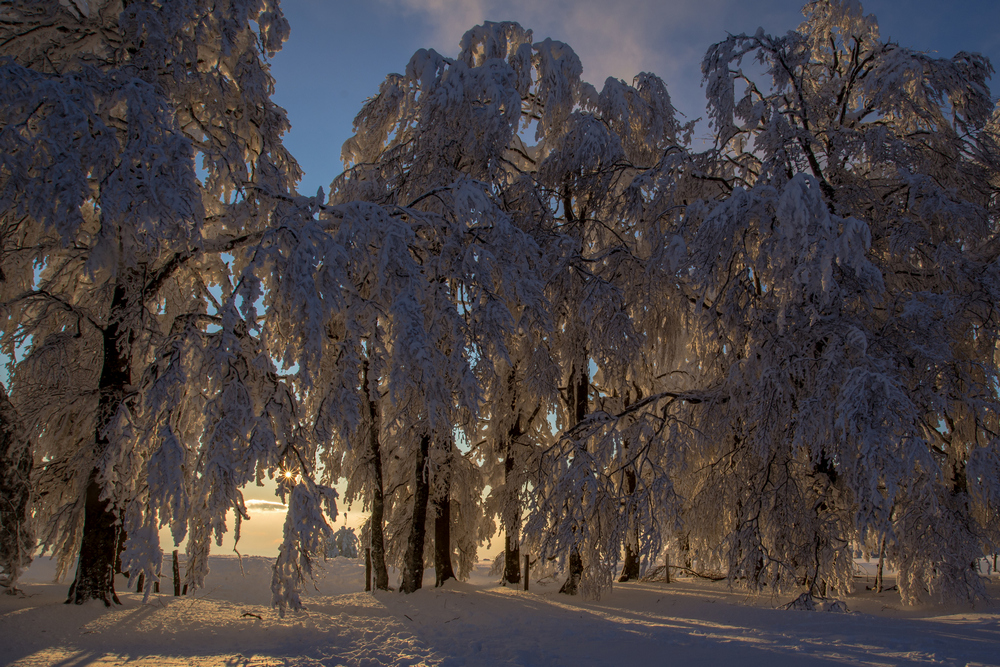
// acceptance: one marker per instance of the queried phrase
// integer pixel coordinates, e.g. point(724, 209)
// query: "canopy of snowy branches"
point(527, 307)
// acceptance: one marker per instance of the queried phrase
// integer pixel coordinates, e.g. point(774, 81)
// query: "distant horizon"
point(261, 535)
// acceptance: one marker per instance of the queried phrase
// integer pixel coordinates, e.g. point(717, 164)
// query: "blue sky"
point(340, 50)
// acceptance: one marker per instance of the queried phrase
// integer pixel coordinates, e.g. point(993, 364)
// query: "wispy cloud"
point(449, 18)
point(256, 505)
point(618, 39)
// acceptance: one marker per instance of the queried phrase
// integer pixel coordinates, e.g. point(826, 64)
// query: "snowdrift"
point(690, 621)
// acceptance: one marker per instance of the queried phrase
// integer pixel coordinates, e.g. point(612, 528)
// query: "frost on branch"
point(112, 256)
point(849, 330)
point(760, 356)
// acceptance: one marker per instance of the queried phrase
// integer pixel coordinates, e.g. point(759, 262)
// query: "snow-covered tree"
point(343, 544)
point(586, 185)
point(111, 242)
point(433, 141)
point(764, 353)
point(847, 286)
point(577, 171)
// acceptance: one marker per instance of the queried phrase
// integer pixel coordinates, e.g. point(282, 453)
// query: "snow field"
point(480, 623)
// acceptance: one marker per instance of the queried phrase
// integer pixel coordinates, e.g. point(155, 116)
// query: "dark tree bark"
point(443, 570)
point(512, 559)
point(377, 521)
point(572, 584)
point(511, 515)
point(511, 521)
point(119, 548)
point(95, 574)
point(580, 388)
point(17, 539)
point(630, 571)
point(413, 560)
point(176, 572)
point(881, 563)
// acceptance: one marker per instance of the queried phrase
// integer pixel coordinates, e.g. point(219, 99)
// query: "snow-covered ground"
point(479, 623)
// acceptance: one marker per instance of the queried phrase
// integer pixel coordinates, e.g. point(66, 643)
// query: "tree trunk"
point(580, 386)
point(631, 569)
point(630, 572)
point(572, 584)
point(512, 559)
point(376, 537)
point(881, 564)
point(442, 538)
point(95, 574)
point(17, 538)
point(119, 549)
point(413, 560)
point(176, 571)
point(368, 569)
point(511, 515)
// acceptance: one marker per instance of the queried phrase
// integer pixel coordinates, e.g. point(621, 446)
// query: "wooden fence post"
point(527, 567)
point(666, 567)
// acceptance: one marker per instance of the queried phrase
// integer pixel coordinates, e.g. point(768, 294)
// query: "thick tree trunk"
point(442, 539)
point(95, 574)
point(377, 539)
point(413, 560)
point(512, 559)
point(630, 571)
point(511, 516)
point(580, 386)
point(511, 513)
point(17, 538)
point(572, 584)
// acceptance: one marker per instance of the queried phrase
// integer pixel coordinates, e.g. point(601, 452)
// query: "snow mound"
point(807, 602)
point(690, 621)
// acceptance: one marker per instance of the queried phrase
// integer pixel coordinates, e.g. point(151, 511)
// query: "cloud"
point(257, 505)
point(618, 39)
point(447, 19)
